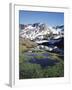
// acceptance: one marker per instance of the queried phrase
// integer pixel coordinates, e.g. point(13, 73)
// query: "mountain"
point(39, 31)
point(34, 31)
point(41, 36)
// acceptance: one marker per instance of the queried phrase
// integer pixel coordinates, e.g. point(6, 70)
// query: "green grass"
point(39, 57)
point(24, 58)
point(29, 70)
point(55, 71)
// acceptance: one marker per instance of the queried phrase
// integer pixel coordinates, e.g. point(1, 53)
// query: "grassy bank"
point(33, 70)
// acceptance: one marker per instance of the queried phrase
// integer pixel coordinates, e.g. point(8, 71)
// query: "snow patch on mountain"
point(39, 31)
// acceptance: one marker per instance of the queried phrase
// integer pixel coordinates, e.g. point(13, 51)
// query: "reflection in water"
point(43, 59)
point(44, 62)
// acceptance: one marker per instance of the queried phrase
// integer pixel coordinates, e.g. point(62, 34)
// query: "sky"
point(50, 18)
